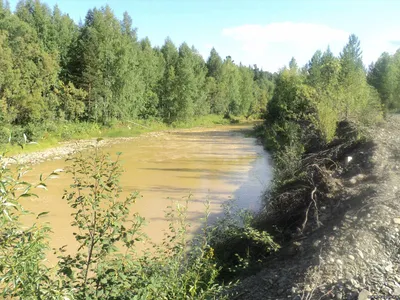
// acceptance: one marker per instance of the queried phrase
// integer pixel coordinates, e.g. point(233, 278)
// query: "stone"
point(339, 262)
point(363, 295)
point(355, 283)
point(389, 269)
point(352, 257)
point(396, 291)
point(360, 253)
point(316, 243)
point(353, 180)
point(396, 221)
point(339, 295)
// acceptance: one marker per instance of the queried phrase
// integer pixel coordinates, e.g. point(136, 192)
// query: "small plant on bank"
point(238, 245)
point(108, 265)
point(23, 272)
point(102, 220)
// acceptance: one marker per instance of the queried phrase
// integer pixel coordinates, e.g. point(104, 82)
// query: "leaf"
point(42, 186)
point(25, 195)
point(42, 214)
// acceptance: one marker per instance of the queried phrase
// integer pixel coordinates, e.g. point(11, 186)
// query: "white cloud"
point(271, 46)
point(374, 43)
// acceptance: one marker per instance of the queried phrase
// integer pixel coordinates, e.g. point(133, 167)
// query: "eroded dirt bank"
point(355, 253)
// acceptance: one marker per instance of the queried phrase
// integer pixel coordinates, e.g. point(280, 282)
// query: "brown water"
point(216, 164)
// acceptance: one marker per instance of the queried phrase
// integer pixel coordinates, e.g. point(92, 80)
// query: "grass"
point(49, 135)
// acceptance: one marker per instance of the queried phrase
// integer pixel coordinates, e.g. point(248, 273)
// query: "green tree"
point(106, 67)
point(28, 92)
point(201, 104)
point(263, 89)
point(151, 65)
point(214, 64)
point(39, 16)
point(167, 89)
point(230, 88)
point(247, 102)
point(65, 39)
point(72, 106)
point(357, 96)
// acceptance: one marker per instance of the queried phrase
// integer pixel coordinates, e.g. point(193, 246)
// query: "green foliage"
point(23, 273)
point(52, 70)
point(311, 112)
point(383, 75)
point(307, 106)
point(4, 135)
point(238, 244)
point(107, 263)
point(101, 218)
point(178, 268)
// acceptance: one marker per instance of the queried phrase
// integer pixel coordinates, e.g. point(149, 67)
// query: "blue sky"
point(263, 32)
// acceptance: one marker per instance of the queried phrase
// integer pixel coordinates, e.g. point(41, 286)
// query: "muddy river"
point(216, 164)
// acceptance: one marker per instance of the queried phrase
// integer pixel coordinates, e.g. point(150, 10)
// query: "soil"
point(355, 254)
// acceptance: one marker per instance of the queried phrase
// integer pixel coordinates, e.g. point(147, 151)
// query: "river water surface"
point(216, 164)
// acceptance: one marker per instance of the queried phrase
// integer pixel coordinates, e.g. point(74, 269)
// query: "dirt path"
point(356, 253)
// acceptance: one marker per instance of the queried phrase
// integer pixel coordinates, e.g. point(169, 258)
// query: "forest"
point(55, 72)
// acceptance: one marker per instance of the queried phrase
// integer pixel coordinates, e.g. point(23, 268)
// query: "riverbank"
point(58, 145)
point(352, 250)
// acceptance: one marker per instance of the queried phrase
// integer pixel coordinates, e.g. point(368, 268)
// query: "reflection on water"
point(216, 164)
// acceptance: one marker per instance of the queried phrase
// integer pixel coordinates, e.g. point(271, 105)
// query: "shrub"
point(4, 135)
point(23, 273)
point(238, 245)
point(107, 264)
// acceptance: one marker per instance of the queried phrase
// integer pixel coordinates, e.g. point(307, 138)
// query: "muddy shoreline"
point(63, 149)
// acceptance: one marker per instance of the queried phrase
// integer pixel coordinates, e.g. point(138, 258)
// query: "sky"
point(267, 33)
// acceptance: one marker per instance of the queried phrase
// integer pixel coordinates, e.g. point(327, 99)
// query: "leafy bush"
point(238, 245)
point(107, 263)
point(23, 273)
point(4, 135)
point(35, 131)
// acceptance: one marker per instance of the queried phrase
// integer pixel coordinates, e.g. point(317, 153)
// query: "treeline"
point(384, 75)
point(52, 69)
point(310, 103)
